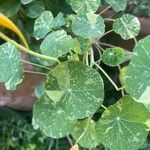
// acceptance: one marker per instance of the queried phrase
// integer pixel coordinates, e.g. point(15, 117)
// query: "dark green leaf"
point(9, 7)
point(113, 56)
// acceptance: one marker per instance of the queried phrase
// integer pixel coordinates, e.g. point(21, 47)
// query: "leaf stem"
point(109, 19)
point(104, 10)
point(112, 82)
point(35, 72)
point(4, 37)
point(104, 107)
point(37, 65)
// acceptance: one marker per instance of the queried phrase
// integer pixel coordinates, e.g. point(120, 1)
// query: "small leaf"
point(59, 21)
point(9, 7)
point(113, 56)
point(57, 44)
point(43, 24)
point(84, 6)
point(138, 74)
point(26, 1)
point(88, 26)
point(122, 75)
point(86, 129)
point(127, 26)
point(123, 125)
point(11, 70)
point(35, 8)
point(119, 5)
point(73, 84)
point(51, 119)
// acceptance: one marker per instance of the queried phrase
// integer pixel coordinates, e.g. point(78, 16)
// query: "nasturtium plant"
point(79, 98)
point(128, 26)
point(124, 125)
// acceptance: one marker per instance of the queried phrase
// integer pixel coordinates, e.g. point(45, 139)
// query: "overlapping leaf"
point(51, 119)
point(11, 72)
point(85, 132)
point(76, 87)
point(119, 5)
point(88, 25)
point(124, 125)
point(138, 74)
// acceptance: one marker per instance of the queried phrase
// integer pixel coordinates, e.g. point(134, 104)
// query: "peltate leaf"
point(11, 70)
point(59, 21)
point(51, 119)
point(76, 87)
point(113, 56)
point(119, 5)
point(43, 24)
point(123, 125)
point(138, 74)
point(127, 26)
point(85, 132)
point(83, 6)
point(88, 25)
point(57, 43)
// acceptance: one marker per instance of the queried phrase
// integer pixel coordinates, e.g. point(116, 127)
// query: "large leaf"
point(11, 72)
point(113, 56)
point(59, 21)
point(9, 7)
point(138, 74)
point(117, 5)
point(88, 25)
point(123, 125)
point(43, 24)
point(51, 119)
point(76, 87)
point(57, 43)
point(127, 26)
point(85, 132)
point(84, 6)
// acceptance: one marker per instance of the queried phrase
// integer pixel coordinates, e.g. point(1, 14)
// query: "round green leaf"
point(88, 25)
point(43, 24)
point(51, 119)
point(123, 125)
point(85, 131)
point(35, 8)
point(77, 88)
point(127, 26)
point(57, 43)
point(113, 56)
point(9, 7)
point(11, 72)
point(119, 5)
point(84, 6)
point(138, 74)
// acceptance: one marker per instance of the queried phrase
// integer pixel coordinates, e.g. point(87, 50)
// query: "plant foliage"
point(66, 37)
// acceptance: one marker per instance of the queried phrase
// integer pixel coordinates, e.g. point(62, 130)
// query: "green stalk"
point(4, 37)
